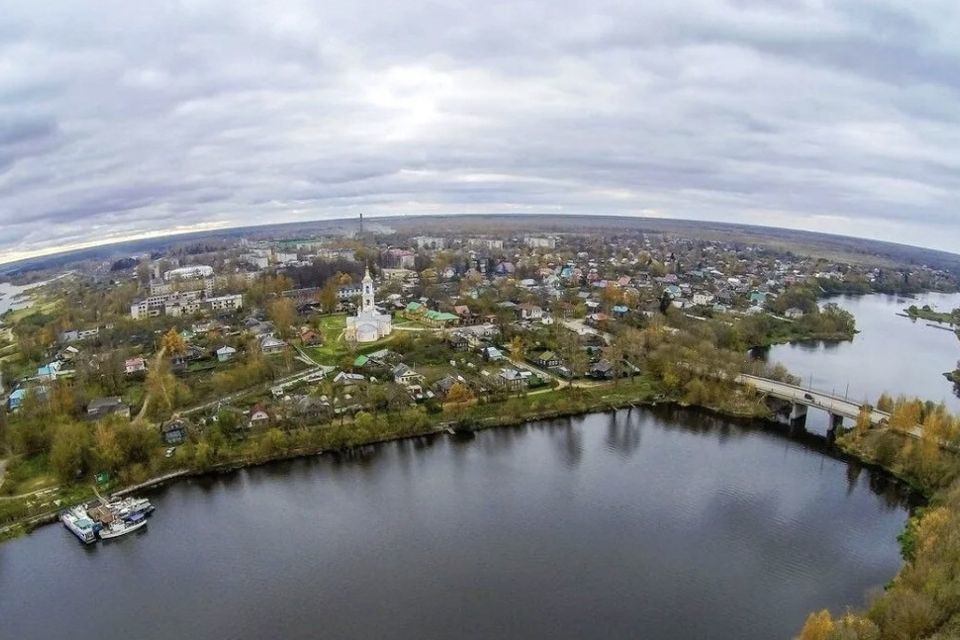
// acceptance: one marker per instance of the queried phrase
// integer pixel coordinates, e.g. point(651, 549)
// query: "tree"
point(173, 343)
point(108, 453)
point(70, 453)
point(273, 442)
point(574, 357)
point(283, 313)
point(364, 424)
point(614, 355)
point(864, 422)
point(819, 626)
point(517, 349)
point(203, 455)
point(459, 394)
point(885, 403)
point(327, 298)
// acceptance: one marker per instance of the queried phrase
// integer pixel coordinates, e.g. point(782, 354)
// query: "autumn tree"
point(173, 343)
point(864, 421)
point(327, 298)
point(517, 349)
point(283, 313)
point(819, 626)
point(459, 394)
point(885, 403)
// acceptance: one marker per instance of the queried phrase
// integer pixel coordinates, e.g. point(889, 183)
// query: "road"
point(811, 397)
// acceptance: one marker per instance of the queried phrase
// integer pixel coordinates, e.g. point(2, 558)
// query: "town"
point(240, 349)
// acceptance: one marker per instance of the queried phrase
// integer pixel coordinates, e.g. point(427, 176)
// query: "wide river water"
point(644, 523)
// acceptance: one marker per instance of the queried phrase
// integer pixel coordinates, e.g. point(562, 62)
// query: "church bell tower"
point(366, 303)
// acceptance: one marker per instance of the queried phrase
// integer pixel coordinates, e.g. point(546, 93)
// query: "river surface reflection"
point(657, 524)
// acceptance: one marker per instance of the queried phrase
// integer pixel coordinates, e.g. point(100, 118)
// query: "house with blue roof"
point(49, 371)
point(16, 398)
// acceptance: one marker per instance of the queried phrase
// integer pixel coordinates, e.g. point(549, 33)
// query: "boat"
point(77, 523)
point(123, 527)
point(131, 506)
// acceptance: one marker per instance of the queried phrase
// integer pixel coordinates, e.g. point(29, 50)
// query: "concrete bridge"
point(801, 399)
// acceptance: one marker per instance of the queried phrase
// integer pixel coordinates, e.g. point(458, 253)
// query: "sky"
point(125, 119)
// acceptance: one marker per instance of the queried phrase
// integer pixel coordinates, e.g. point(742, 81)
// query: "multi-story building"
point(230, 302)
point(538, 242)
point(430, 242)
point(189, 273)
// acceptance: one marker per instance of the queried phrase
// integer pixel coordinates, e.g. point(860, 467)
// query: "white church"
point(369, 325)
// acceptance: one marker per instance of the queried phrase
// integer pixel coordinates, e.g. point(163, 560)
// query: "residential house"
point(100, 408)
point(226, 353)
point(347, 379)
point(443, 386)
point(530, 312)
point(512, 379)
point(403, 374)
point(492, 354)
point(174, 432)
point(602, 370)
point(458, 341)
point(258, 416)
point(134, 365)
point(272, 344)
point(310, 337)
point(49, 371)
point(546, 359)
point(16, 398)
point(702, 299)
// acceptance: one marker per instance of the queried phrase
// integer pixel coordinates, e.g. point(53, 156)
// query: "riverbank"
point(806, 338)
point(343, 438)
point(275, 445)
point(921, 601)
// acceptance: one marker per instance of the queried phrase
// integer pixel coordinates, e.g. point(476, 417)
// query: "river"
point(889, 354)
point(642, 523)
point(653, 523)
point(11, 298)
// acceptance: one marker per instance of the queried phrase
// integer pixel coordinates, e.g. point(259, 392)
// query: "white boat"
point(131, 506)
point(77, 523)
point(122, 528)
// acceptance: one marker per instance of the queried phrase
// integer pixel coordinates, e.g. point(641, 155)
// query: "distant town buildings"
point(540, 242)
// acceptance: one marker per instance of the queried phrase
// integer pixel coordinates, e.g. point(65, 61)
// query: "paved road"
point(812, 398)
point(827, 401)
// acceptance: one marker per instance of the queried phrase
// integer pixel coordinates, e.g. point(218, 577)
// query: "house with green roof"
point(546, 359)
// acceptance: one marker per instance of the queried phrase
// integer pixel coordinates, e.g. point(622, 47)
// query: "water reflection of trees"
point(623, 432)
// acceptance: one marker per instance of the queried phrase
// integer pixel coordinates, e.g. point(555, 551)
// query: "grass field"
point(334, 346)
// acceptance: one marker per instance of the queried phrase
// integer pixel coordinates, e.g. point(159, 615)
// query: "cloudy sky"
point(121, 121)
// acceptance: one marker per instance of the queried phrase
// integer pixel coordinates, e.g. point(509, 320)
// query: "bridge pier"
point(836, 421)
point(798, 415)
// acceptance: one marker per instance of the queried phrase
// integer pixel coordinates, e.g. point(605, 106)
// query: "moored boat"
point(132, 506)
point(77, 523)
point(123, 527)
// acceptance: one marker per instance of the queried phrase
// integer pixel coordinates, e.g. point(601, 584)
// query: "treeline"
point(317, 274)
point(923, 601)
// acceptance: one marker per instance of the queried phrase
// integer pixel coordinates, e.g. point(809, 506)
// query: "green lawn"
point(334, 347)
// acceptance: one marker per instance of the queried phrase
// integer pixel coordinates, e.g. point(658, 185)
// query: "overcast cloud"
point(119, 119)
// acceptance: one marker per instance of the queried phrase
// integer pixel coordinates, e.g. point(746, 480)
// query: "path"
point(263, 386)
point(580, 383)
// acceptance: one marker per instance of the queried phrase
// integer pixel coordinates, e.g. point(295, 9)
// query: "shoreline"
point(846, 453)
